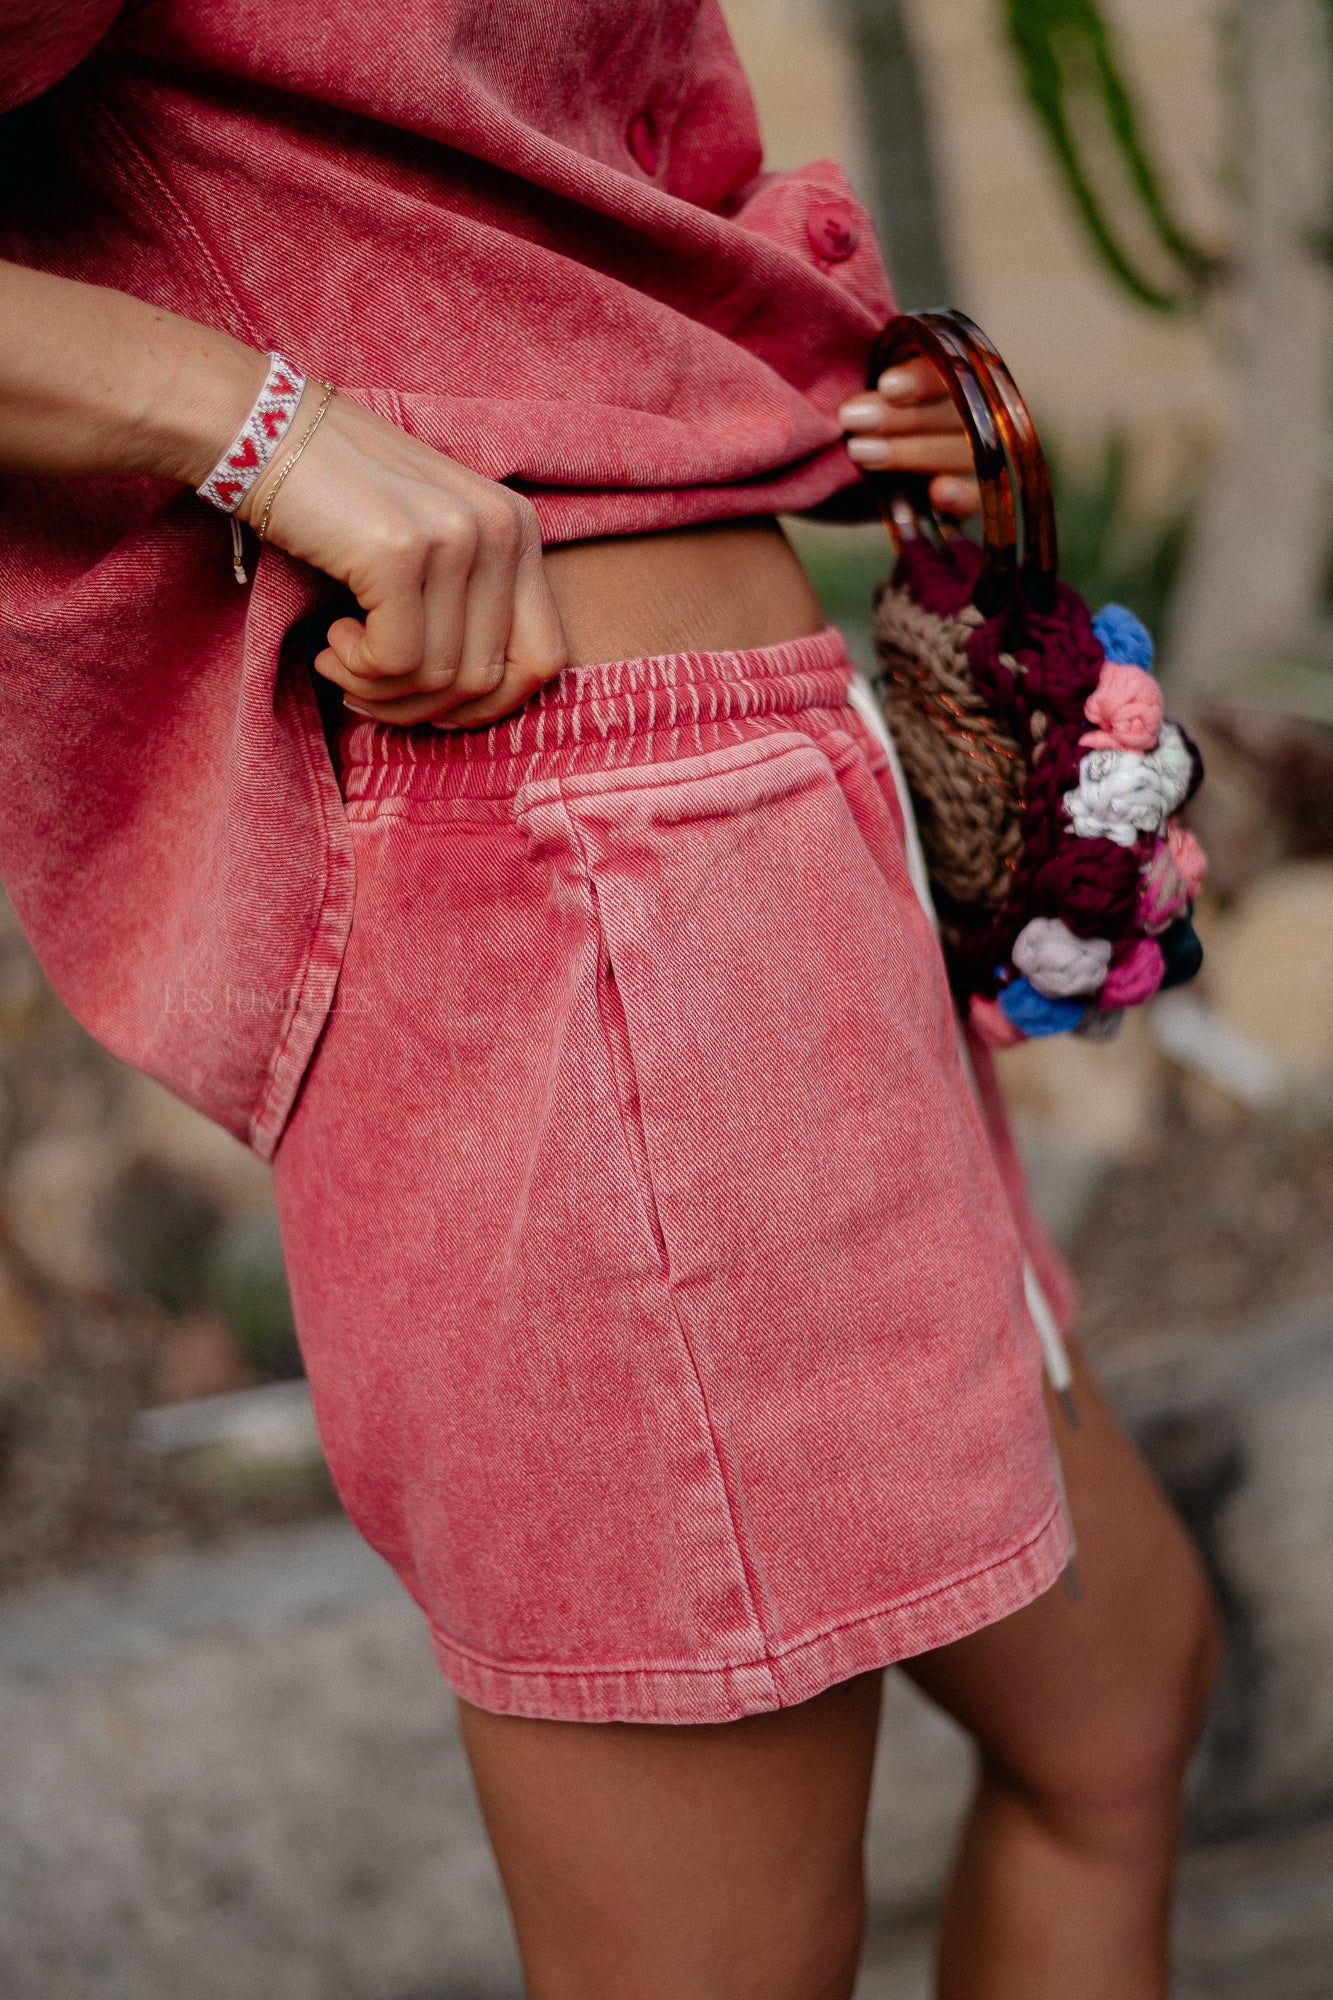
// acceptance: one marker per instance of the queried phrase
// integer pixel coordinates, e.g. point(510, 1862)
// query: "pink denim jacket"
point(534, 234)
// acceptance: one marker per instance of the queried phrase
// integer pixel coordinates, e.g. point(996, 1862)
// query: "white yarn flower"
point(1171, 761)
point(1057, 963)
point(1121, 794)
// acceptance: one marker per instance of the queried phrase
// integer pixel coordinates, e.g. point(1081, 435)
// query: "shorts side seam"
point(744, 1554)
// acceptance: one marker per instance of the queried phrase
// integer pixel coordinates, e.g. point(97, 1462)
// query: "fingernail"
point(866, 410)
point(952, 493)
point(358, 708)
point(898, 385)
point(870, 451)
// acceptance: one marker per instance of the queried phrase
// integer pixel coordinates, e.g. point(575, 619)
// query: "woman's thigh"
point(725, 1862)
point(1091, 1705)
point(715, 1862)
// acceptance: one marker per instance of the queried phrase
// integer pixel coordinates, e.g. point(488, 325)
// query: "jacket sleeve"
point(39, 45)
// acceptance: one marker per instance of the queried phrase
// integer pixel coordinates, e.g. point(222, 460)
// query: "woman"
point(659, 1285)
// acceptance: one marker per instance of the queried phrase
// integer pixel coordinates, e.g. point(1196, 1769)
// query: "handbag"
point(1045, 781)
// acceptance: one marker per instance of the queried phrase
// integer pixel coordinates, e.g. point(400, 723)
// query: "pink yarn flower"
point(1137, 978)
point(1190, 860)
point(1163, 891)
point(992, 1024)
point(1126, 707)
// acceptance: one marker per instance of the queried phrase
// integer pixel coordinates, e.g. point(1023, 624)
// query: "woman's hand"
point(460, 624)
point(908, 424)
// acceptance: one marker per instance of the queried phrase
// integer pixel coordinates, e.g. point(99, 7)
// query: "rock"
point(1098, 1097)
point(55, 1195)
point(1238, 1430)
point(25, 1338)
point(159, 1226)
point(22, 985)
point(239, 1775)
point(198, 1357)
point(1078, 1108)
point(923, 1778)
point(1269, 967)
point(160, 1128)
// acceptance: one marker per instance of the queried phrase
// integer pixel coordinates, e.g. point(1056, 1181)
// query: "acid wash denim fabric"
point(660, 1293)
point(535, 235)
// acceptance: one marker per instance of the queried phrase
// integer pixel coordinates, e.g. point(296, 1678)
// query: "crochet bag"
point(1045, 781)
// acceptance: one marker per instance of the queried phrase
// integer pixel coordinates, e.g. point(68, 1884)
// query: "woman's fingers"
point(537, 648)
point(455, 576)
point(510, 640)
point(910, 382)
point(930, 451)
point(871, 416)
point(358, 653)
point(388, 642)
point(905, 424)
point(437, 637)
point(486, 603)
point(957, 498)
point(537, 645)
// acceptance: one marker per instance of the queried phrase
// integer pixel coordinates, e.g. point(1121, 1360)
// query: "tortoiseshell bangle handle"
point(1006, 452)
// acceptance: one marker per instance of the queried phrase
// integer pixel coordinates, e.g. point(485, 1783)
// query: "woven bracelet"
point(253, 447)
point(258, 438)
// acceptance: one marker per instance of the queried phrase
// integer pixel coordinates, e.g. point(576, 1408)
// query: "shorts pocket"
point(780, 1001)
point(829, 1212)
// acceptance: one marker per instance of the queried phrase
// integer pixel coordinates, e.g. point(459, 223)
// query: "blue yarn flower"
point(1031, 1011)
point(1124, 637)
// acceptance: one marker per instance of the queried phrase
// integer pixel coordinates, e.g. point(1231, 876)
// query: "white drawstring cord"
point(1054, 1353)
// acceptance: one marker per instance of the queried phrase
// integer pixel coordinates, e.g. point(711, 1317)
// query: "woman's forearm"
point(459, 619)
point(95, 382)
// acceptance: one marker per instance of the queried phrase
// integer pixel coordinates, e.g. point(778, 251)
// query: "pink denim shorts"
point(658, 1280)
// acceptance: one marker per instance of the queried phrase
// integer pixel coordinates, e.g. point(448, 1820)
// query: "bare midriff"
point(716, 588)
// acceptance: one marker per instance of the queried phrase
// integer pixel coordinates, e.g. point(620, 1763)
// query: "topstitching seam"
point(745, 1557)
point(773, 1655)
point(223, 292)
point(269, 1099)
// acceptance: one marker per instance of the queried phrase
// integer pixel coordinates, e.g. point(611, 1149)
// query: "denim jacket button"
point(644, 142)
point(831, 227)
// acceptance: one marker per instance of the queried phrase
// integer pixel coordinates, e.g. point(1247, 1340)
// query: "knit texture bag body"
point(1046, 782)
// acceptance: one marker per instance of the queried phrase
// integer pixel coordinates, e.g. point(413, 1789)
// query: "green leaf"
point(1071, 76)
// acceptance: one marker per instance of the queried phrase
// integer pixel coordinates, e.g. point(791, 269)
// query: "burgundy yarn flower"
point(1093, 884)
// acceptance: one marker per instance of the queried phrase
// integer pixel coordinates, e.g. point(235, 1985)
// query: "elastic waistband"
point(594, 718)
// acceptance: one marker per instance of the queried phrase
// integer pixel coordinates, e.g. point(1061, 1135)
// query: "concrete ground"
point(238, 1774)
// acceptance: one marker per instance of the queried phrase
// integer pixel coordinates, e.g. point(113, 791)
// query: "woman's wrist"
point(94, 382)
point(212, 382)
point(254, 503)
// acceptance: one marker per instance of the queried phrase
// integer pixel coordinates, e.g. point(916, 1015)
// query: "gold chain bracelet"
point(291, 459)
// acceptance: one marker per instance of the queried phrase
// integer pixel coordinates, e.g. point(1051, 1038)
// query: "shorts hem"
point(790, 1673)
